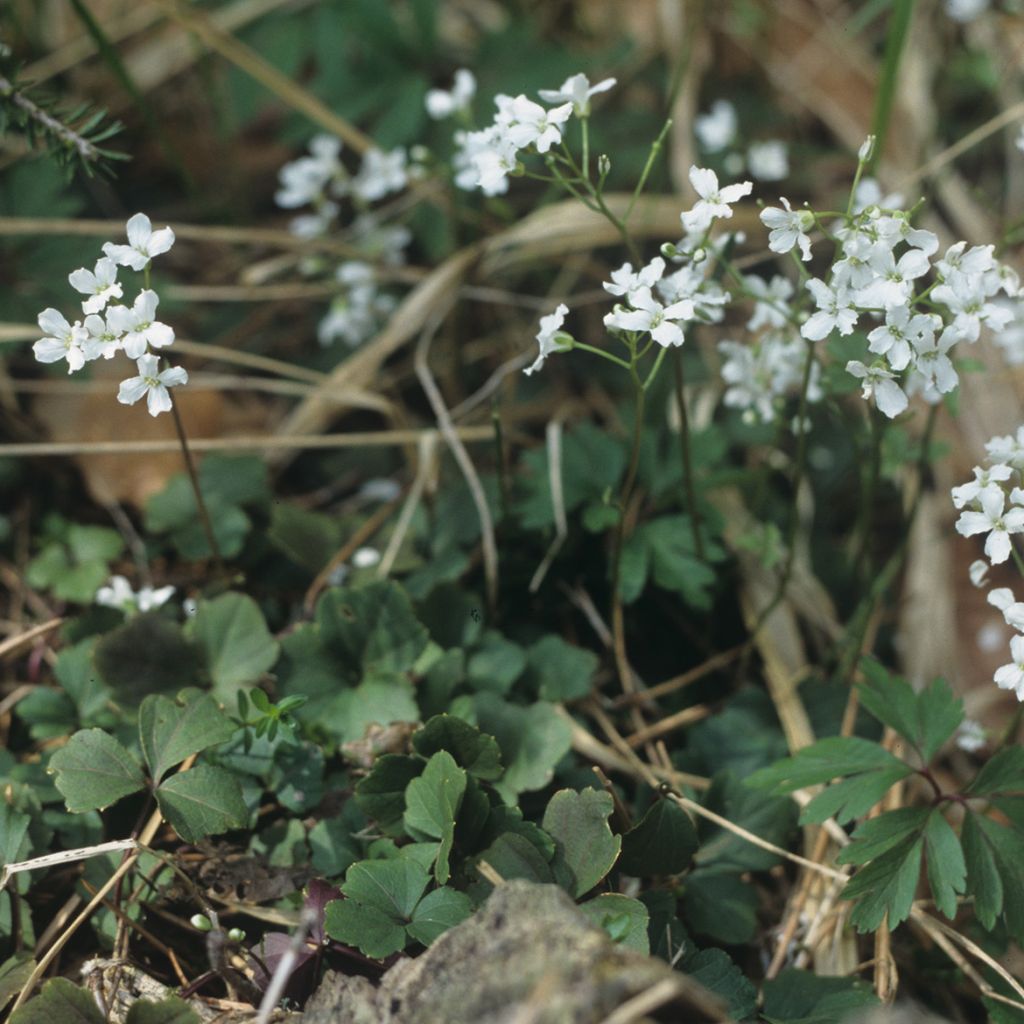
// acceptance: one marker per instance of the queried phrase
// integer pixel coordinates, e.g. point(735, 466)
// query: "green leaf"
point(984, 881)
point(875, 836)
point(721, 905)
point(93, 770)
point(383, 701)
point(661, 843)
point(852, 797)
point(201, 802)
point(514, 856)
point(496, 664)
point(371, 628)
point(332, 847)
point(309, 539)
point(533, 739)
point(233, 636)
point(562, 671)
point(886, 886)
point(437, 912)
point(15, 844)
point(172, 730)
point(947, 871)
point(714, 969)
point(14, 974)
point(432, 802)
point(148, 654)
point(1005, 845)
point(623, 918)
point(799, 997)
point(364, 927)
point(393, 887)
point(927, 719)
point(585, 848)
point(94, 543)
point(381, 795)
point(171, 1010)
point(479, 754)
point(1002, 773)
point(59, 1000)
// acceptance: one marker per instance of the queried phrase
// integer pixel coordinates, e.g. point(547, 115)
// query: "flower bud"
point(604, 165)
point(236, 935)
point(866, 150)
point(201, 922)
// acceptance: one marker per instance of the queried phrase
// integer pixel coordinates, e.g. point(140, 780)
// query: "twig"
point(553, 437)
point(424, 469)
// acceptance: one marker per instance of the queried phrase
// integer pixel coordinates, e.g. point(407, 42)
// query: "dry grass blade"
point(63, 857)
point(14, 645)
point(662, 992)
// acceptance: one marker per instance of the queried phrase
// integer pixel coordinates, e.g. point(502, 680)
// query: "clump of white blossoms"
point(118, 593)
point(983, 507)
point(717, 132)
point(321, 181)
point(109, 327)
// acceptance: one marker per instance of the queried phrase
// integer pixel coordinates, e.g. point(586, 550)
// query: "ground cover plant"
point(451, 444)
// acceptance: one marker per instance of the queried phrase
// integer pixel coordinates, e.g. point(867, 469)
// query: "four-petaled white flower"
point(624, 281)
point(986, 480)
point(550, 337)
point(835, 312)
point(576, 90)
point(879, 384)
point(788, 228)
point(143, 243)
point(62, 341)
point(118, 593)
point(651, 316)
point(153, 383)
point(138, 325)
point(1011, 677)
point(992, 520)
point(99, 284)
point(532, 125)
point(714, 200)
point(442, 103)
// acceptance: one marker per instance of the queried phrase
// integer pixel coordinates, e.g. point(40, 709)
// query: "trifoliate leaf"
point(947, 872)
point(437, 912)
point(59, 1000)
point(984, 881)
point(201, 802)
point(1002, 773)
point(432, 803)
point(560, 670)
point(721, 905)
point(661, 843)
point(171, 1010)
point(585, 848)
point(93, 770)
point(370, 629)
point(381, 795)
point(800, 997)
point(533, 739)
point(172, 730)
point(927, 719)
point(393, 887)
point(886, 886)
point(232, 635)
point(623, 918)
point(478, 753)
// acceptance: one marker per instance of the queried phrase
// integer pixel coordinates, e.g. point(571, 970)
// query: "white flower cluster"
point(982, 505)
point(484, 159)
point(883, 259)
point(716, 131)
point(118, 593)
point(322, 181)
point(109, 327)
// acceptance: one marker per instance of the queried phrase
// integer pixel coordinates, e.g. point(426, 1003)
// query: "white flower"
point(1008, 449)
point(143, 243)
point(717, 129)
point(550, 337)
point(893, 283)
point(118, 594)
point(834, 312)
point(306, 179)
point(138, 325)
point(1013, 610)
point(966, 10)
point(788, 228)
point(978, 571)
point(771, 301)
point(380, 174)
point(898, 336)
point(970, 736)
point(100, 338)
point(441, 103)
point(62, 341)
point(932, 365)
point(866, 149)
point(624, 281)
point(154, 385)
point(986, 480)
point(993, 521)
point(1011, 677)
point(532, 125)
point(99, 284)
point(651, 316)
point(365, 558)
point(576, 90)
point(714, 201)
point(881, 385)
point(768, 160)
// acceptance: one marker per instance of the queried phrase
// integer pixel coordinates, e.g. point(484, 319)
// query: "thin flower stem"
point(602, 354)
point(651, 157)
point(585, 134)
point(687, 455)
point(659, 359)
point(1017, 558)
point(866, 514)
point(190, 465)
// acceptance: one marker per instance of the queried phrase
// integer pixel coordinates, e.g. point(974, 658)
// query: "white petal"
point(131, 390)
point(139, 229)
point(158, 400)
